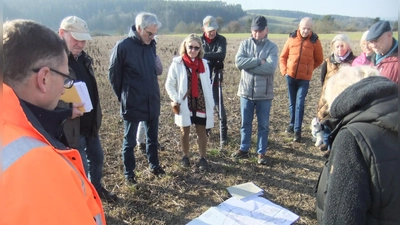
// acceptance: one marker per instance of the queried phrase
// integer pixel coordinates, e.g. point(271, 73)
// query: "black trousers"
point(224, 127)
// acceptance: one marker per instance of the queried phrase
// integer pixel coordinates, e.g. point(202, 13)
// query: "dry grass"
point(185, 193)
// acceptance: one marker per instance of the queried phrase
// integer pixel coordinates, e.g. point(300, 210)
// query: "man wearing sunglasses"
point(214, 52)
point(42, 179)
point(82, 129)
point(133, 77)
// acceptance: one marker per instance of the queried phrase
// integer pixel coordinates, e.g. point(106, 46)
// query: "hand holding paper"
point(75, 109)
point(78, 93)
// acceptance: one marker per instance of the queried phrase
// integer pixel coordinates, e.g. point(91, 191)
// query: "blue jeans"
point(247, 108)
point(327, 132)
point(297, 90)
point(92, 155)
point(129, 143)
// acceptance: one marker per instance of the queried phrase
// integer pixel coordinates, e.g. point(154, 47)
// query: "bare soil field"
point(184, 193)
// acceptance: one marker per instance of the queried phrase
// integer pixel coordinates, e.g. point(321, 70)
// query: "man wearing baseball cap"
point(82, 129)
point(385, 47)
point(214, 46)
point(257, 58)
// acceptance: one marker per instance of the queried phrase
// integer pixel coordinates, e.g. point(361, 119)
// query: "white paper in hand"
point(76, 94)
point(84, 94)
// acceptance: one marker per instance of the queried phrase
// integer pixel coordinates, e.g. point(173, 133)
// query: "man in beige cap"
point(214, 46)
point(82, 129)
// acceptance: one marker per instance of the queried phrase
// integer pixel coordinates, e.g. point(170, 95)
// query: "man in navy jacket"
point(133, 77)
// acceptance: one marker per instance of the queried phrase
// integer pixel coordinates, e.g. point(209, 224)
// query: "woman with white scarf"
point(342, 55)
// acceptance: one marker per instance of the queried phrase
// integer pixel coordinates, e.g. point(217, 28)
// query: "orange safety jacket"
point(41, 184)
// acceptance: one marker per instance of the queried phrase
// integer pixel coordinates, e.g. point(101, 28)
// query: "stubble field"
point(184, 193)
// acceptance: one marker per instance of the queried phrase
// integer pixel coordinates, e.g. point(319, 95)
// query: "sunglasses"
point(69, 78)
point(193, 48)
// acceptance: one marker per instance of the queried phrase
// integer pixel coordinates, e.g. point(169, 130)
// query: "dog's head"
point(315, 125)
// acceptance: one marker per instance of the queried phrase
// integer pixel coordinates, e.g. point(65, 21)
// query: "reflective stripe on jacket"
point(42, 184)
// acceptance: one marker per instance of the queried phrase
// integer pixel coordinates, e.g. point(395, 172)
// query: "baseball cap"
point(258, 23)
point(210, 23)
point(77, 27)
point(377, 29)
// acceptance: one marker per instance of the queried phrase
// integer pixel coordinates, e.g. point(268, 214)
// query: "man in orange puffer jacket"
point(43, 181)
point(301, 54)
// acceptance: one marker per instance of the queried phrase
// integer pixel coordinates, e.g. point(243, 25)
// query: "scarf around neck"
point(208, 40)
point(340, 59)
point(196, 66)
point(379, 58)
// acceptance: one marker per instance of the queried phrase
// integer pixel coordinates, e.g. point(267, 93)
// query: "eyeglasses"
point(193, 48)
point(151, 35)
point(69, 78)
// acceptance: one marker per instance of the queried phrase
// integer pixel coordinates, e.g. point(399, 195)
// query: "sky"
point(385, 9)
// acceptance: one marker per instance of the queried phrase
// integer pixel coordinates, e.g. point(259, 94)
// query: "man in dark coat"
point(214, 46)
point(133, 77)
point(82, 129)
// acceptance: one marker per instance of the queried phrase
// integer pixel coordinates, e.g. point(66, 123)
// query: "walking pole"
point(219, 108)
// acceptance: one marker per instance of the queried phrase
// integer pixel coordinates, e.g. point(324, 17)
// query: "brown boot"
point(323, 147)
point(327, 154)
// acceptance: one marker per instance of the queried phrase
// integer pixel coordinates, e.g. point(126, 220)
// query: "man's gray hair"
point(345, 77)
point(145, 19)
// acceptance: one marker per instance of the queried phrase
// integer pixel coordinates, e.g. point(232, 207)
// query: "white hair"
point(145, 19)
point(364, 37)
point(345, 77)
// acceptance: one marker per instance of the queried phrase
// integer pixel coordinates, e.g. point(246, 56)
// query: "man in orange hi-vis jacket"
point(43, 181)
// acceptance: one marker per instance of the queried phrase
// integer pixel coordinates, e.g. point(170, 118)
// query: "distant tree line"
point(119, 15)
point(116, 17)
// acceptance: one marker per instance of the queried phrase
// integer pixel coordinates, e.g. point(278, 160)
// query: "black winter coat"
point(215, 53)
point(72, 127)
point(133, 77)
point(361, 181)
